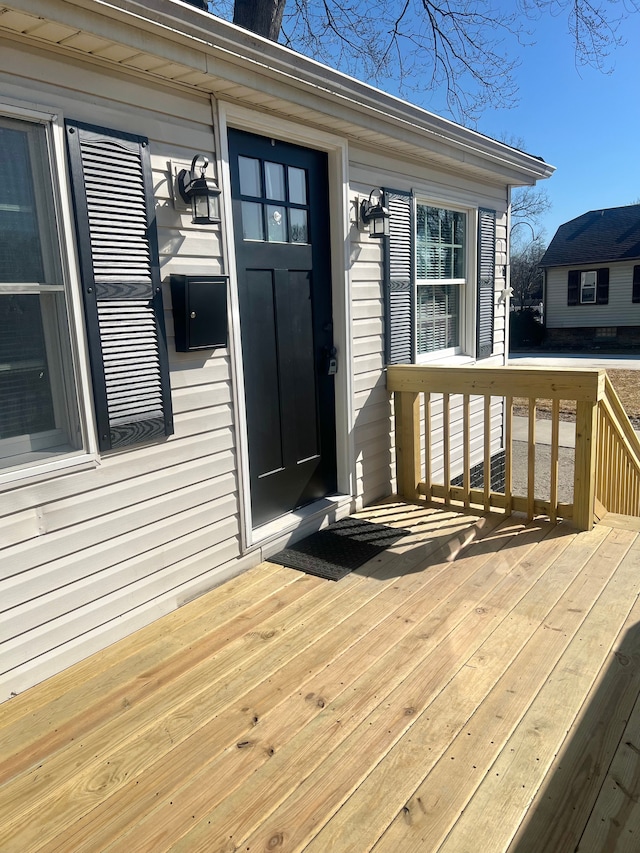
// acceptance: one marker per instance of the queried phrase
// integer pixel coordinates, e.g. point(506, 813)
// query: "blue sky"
point(585, 123)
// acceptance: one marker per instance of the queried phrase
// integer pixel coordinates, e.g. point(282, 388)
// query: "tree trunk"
point(263, 17)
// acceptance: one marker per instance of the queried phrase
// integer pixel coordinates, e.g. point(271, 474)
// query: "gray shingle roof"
point(595, 237)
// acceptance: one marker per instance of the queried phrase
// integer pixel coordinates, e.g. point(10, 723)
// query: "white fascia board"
point(202, 33)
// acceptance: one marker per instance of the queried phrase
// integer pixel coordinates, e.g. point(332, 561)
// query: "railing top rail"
point(579, 384)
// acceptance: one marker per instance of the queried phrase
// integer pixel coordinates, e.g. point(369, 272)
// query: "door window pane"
point(298, 221)
point(274, 181)
point(276, 223)
point(249, 169)
point(297, 185)
point(252, 227)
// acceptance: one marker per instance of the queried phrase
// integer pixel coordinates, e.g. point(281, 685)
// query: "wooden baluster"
point(427, 444)
point(508, 455)
point(487, 453)
point(446, 455)
point(466, 451)
point(555, 451)
point(531, 460)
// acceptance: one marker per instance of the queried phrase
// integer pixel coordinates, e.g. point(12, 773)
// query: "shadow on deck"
point(472, 688)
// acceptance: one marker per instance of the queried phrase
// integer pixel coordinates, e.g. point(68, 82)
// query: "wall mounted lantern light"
point(375, 215)
point(199, 191)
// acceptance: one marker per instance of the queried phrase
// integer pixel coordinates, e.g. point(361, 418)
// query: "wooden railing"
point(431, 451)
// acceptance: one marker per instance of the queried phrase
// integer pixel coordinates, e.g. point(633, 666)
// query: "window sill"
point(36, 467)
point(449, 360)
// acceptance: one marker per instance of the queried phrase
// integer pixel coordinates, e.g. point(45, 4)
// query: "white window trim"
point(33, 466)
point(464, 353)
point(583, 284)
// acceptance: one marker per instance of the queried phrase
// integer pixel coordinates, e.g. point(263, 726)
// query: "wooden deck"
point(473, 690)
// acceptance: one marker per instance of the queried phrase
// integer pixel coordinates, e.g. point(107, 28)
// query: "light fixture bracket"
point(375, 215)
point(201, 192)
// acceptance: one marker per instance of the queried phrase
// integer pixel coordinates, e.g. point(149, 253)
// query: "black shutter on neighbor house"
point(602, 287)
point(486, 281)
point(573, 287)
point(399, 291)
point(115, 220)
point(635, 296)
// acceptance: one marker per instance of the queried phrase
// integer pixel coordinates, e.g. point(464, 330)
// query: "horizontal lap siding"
point(619, 311)
point(87, 557)
point(374, 425)
point(374, 452)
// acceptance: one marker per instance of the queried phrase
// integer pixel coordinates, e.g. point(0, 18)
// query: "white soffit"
point(173, 41)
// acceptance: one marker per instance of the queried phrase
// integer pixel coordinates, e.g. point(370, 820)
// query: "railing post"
point(584, 483)
point(407, 409)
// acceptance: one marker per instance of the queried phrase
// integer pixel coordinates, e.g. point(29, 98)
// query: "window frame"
point(40, 455)
point(464, 306)
point(584, 284)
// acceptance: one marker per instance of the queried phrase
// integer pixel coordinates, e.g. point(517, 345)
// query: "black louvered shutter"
point(115, 220)
point(602, 288)
point(635, 296)
point(399, 291)
point(486, 281)
point(573, 287)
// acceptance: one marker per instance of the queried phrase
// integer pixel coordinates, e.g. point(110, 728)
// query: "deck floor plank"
point(121, 662)
point(377, 628)
point(404, 768)
point(375, 710)
point(284, 712)
point(519, 770)
point(565, 801)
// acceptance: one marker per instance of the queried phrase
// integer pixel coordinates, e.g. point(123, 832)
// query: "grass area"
point(626, 383)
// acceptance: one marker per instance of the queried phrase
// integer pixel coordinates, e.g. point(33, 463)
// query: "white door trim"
point(232, 115)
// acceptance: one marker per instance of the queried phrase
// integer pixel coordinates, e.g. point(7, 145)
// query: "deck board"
point(403, 708)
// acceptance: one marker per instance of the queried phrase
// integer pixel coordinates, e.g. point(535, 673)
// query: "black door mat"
point(340, 548)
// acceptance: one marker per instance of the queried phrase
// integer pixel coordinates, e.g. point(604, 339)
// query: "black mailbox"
point(199, 311)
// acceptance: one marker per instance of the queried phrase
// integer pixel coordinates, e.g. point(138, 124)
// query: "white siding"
point(620, 311)
point(86, 557)
point(374, 426)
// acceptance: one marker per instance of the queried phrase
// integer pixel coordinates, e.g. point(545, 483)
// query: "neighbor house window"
point(441, 244)
point(38, 411)
point(588, 287)
point(588, 282)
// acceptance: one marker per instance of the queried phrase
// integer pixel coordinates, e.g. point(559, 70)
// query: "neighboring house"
point(178, 398)
point(592, 280)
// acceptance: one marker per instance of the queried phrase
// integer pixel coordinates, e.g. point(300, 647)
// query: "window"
point(588, 282)
point(440, 272)
point(635, 292)
point(38, 408)
point(426, 270)
point(588, 287)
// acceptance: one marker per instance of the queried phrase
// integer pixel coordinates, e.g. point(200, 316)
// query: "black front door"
point(281, 224)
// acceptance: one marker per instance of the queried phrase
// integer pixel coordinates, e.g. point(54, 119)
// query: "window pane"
point(249, 176)
point(20, 249)
point(274, 181)
point(440, 243)
point(438, 313)
point(276, 224)
point(298, 220)
point(252, 227)
point(297, 185)
point(26, 404)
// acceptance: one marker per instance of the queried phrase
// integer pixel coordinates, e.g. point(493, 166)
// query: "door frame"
point(235, 116)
